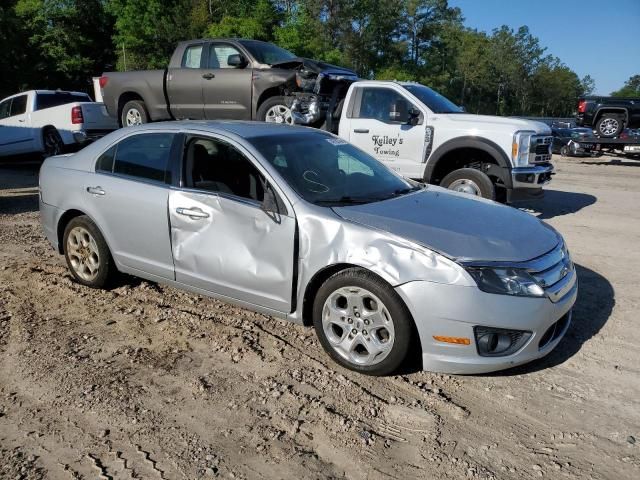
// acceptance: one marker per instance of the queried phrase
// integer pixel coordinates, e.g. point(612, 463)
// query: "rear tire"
point(52, 142)
point(134, 113)
point(610, 125)
point(87, 253)
point(362, 323)
point(564, 151)
point(470, 181)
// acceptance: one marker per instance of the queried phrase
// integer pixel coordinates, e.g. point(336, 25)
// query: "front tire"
point(134, 113)
point(362, 323)
point(470, 181)
point(609, 125)
point(275, 110)
point(87, 253)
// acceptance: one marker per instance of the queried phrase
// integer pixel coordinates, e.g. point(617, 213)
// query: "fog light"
point(499, 342)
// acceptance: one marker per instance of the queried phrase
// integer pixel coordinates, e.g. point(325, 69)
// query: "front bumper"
point(531, 177)
point(453, 311)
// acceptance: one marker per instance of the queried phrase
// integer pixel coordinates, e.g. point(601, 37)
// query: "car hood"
point(315, 66)
point(516, 123)
point(457, 225)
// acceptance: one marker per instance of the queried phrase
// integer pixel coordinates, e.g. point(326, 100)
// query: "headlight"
point(520, 148)
point(506, 281)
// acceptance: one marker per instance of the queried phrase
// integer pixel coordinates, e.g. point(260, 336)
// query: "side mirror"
point(236, 61)
point(414, 116)
point(462, 109)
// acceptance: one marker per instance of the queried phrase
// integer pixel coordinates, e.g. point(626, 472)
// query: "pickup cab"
point(222, 79)
point(422, 135)
point(50, 122)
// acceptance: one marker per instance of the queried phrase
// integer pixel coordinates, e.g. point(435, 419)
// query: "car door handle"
point(361, 130)
point(208, 76)
point(193, 213)
point(95, 190)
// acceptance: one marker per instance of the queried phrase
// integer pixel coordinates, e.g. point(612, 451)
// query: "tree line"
point(63, 43)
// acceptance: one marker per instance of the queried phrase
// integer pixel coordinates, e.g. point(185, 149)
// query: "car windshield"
point(326, 170)
point(432, 99)
point(267, 52)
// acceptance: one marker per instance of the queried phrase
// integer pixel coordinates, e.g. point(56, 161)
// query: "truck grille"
point(540, 149)
point(554, 272)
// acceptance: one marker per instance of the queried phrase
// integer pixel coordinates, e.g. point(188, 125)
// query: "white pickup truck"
point(50, 121)
point(422, 135)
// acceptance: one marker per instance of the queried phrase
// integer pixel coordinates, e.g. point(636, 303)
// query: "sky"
point(592, 37)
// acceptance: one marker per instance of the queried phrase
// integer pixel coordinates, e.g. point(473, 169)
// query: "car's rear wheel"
point(275, 110)
point(87, 253)
point(610, 125)
point(470, 181)
point(362, 323)
point(134, 113)
point(52, 141)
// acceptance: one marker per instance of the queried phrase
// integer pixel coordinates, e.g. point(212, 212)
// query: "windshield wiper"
point(347, 200)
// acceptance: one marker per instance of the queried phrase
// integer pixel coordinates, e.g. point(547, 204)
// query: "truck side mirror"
point(236, 61)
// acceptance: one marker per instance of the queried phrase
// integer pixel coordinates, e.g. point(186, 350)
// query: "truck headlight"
point(506, 281)
point(520, 148)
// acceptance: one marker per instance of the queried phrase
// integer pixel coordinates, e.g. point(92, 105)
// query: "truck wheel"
point(564, 151)
point(52, 142)
point(471, 181)
point(133, 113)
point(362, 323)
point(609, 125)
point(275, 110)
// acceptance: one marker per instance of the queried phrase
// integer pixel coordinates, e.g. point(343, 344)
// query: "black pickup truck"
point(608, 116)
point(228, 79)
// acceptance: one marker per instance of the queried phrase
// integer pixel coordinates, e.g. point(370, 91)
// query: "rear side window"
point(144, 156)
point(18, 105)
point(192, 56)
point(50, 100)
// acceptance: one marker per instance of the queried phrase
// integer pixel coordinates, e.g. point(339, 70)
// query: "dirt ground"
point(145, 381)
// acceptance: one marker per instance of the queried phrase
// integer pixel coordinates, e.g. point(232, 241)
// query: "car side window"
point(105, 161)
point(219, 55)
point(215, 166)
point(145, 156)
point(18, 105)
point(5, 108)
point(377, 103)
point(192, 56)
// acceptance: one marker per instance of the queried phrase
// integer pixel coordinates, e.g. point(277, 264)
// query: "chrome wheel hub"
point(279, 114)
point(133, 117)
point(83, 253)
point(464, 185)
point(609, 126)
point(358, 326)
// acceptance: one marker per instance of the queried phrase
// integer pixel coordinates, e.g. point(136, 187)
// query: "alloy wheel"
point(279, 114)
point(83, 253)
point(609, 126)
point(464, 185)
point(133, 117)
point(358, 326)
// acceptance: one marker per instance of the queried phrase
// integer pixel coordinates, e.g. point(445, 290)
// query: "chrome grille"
point(554, 272)
point(540, 149)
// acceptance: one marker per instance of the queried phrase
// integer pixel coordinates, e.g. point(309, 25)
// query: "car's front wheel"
point(362, 323)
point(87, 253)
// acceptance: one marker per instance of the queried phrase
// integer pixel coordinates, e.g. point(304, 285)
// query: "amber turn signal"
point(455, 340)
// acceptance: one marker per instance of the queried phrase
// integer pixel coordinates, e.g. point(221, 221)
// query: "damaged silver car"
point(296, 223)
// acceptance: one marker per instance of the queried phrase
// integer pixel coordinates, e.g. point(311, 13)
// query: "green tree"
point(631, 88)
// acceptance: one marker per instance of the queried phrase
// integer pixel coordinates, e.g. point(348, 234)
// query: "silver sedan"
point(298, 224)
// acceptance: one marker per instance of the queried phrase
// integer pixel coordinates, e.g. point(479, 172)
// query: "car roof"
point(241, 128)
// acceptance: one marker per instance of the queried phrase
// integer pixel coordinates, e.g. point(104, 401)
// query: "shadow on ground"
point(18, 186)
point(556, 203)
point(596, 299)
point(617, 162)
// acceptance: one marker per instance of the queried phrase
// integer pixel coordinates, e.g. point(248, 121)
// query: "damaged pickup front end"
point(314, 91)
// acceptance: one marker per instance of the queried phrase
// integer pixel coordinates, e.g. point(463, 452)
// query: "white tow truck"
point(50, 121)
point(424, 136)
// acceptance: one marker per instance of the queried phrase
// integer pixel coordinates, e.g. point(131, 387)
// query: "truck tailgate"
point(96, 117)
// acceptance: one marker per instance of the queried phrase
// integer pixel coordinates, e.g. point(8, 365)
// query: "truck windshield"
point(432, 99)
point(326, 170)
point(267, 52)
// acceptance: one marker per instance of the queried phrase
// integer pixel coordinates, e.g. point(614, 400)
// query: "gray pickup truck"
point(228, 79)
